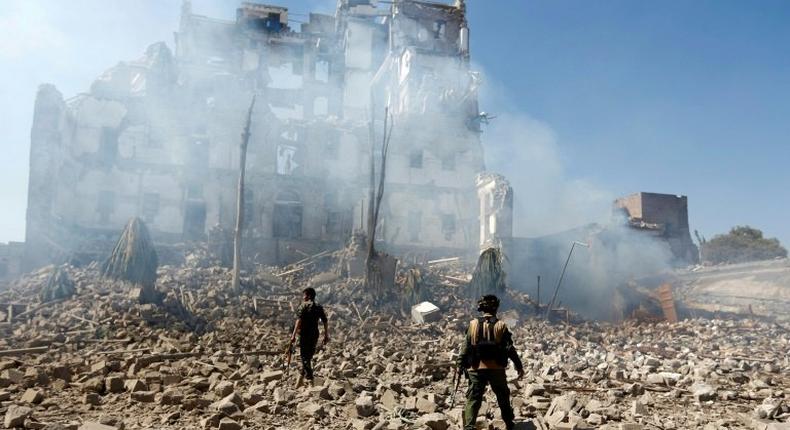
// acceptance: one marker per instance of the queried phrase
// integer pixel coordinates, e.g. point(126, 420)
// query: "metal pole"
point(562, 275)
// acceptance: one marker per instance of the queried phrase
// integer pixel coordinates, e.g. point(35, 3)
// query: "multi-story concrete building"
point(159, 137)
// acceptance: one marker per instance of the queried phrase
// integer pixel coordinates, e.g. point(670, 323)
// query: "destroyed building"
point(11, 255)
point(664, 216)
point(158, 137)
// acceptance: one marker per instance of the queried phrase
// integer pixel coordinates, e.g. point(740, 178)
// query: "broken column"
point(496, 209)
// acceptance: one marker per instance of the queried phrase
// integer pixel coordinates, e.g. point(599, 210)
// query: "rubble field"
point(213, 358)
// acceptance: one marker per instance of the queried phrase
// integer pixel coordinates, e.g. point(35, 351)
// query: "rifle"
point(289, 349)
point(456, 383)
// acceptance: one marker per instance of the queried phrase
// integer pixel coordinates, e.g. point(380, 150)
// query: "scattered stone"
point(228, 424)
point(15, 416)
point(273, 375)
point(91, 399)
point(114, 384)
point(312, 409)
point(91, 425)
point(134, 385)
point(434, 421)
point(703, 392)
point(32, 396)
point(364, 406)
point(144, 396)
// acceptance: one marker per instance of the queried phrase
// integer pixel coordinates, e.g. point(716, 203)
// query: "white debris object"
point(425, 312)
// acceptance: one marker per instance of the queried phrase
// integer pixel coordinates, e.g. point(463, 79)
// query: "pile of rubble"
point(208, 357)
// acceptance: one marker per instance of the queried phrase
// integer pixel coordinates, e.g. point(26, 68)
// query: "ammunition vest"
point(487, 340)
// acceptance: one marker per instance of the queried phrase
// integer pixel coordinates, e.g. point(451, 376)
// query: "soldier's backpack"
point(487, 341)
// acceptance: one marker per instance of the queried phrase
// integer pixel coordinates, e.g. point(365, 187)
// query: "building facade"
point(159, 137)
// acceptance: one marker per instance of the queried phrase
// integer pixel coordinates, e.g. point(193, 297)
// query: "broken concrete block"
point(272, 375)
point(172, 396)
point(114, 384)
point(312, 409)
point(133, 385)
point(703, 392)
point(62, 372)
point(93, 385)
point(170, 418)
point(364, 406)
point(210, 423)
point(144, 396)
point(426, 406)
point(282, 395)
point(223, 388)
point(263, 406)
point(389, 400)
point(15, 416)
point(91, 425)
point(228, 424)
point(534, 390)
point(99, 367)
point(638, 409)
point(655, 378)
point(359, 424)
point(91, 399)
point(324, 278)
point(12, 375)
point(425, 312)
point(434, 421)
point(32, 396)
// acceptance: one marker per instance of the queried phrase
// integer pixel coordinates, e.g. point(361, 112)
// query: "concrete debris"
point(425, 312)
point(15, 416)
point(221, 364)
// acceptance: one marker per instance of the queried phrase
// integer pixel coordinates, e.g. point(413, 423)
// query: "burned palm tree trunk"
point(59, 286)
point(245, 138)
point(489, 275)
point(134, 260)
point(376, 265)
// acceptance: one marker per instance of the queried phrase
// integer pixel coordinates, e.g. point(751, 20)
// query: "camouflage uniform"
point(310, 314)
point(484, 355)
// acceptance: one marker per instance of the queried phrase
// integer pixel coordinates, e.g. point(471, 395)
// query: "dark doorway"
point(287, 216)
point(194, 220)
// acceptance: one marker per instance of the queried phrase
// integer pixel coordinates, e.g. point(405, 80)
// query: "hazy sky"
point(605, 98)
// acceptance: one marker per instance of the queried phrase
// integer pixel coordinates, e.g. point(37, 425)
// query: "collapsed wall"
point(664, 216)
point(158, 137)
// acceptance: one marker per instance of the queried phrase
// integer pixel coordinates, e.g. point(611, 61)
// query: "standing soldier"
point(484, 356)
point(306, 327)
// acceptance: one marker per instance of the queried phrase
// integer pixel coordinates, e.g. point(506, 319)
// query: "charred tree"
point(489, 275)
point(245, 138)
point(378, 266)
point(134, 260)
point(59, 286)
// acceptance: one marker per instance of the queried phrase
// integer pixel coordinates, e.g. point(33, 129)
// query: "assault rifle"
point(289, 349)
